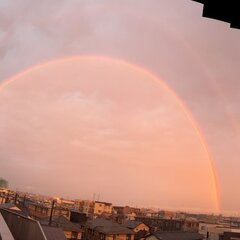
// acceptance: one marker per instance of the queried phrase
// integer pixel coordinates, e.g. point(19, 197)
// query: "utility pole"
point(24, 200)
point(51, 214)
point(15, 198)
point(98, 197)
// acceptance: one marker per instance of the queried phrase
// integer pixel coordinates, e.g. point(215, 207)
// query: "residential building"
point(101, 229)
point(14, 226)
point(70, 229)
point(40, 210)
point(204, 228)
point(125, 213)
point(140, 229)
point(174, 236)
point(190, 225)
point(161, 224)
point(231, 236)
point(85, 206)
point(102, 207)
point(222, 233)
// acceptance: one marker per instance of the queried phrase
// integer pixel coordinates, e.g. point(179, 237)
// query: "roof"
point(107, 227)
point(5, 232)
point(106, 203)
point(53, 233)
point(14, 208)
point(62, 222)
point(178, 236)
point(22, 227)
point(7, 205)
point(131, 224)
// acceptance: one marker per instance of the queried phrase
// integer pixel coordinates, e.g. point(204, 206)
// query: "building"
point(64, 202)
point(14, 226)
point(15, 208)
point(125, 213)
point(41, 211)
point(204, 228)
point(53, 233)
point(102, 207)
point(230, 235)
point(161, 224)
point(174, 236)
point(78, 217)
point(70, 229)
point(85, 206)
point(190, 225)
point(4, 193)
point(165, 214)
point(96, 208)
point(140, 229)
point(223, 233)
point(101, 229)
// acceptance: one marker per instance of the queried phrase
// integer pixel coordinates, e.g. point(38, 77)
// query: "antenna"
point(98, 196)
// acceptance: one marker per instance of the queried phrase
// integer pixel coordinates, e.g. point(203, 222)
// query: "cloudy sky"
point(88, 126)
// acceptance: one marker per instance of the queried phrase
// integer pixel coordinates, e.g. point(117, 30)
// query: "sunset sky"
point(103, 122)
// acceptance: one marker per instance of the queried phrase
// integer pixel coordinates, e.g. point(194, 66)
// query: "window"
point(74, 235)
point(128, 237)
point(102, 236)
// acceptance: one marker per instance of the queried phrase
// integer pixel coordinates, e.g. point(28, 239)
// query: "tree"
point(3, 183)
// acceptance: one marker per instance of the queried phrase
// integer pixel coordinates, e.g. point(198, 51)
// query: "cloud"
point(196, 57)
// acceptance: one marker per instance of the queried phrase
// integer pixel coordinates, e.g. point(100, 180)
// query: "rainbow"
point(187, 112)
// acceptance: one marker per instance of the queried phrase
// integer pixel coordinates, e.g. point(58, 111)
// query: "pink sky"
point(197, 57)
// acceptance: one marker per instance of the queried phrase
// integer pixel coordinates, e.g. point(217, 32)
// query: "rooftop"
point(131, 224)
point(107, 227)
point(53, 233)
point(178, 236)
point(62, 222)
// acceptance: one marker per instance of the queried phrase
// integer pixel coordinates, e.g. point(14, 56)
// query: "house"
point(53, 233)
point(140, 229)
point(70, 229)
point(174, 236)
point(161, 224)
point(101, 229)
